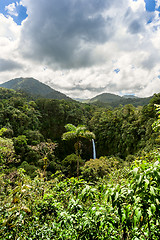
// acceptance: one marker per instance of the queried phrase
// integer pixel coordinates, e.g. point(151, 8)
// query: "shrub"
point(70, 165)
point(97, 168)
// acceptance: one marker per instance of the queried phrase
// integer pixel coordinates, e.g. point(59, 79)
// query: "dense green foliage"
point(116, 208)
point(117, 195)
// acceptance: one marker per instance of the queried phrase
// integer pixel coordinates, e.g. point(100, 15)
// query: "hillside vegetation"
point(34, 87)
point(42, 196)
point(113, 100)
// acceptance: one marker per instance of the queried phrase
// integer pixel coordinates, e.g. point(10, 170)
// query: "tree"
point(77, 133)
point(156, 124)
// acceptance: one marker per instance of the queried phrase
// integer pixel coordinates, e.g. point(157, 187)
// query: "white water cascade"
point(94, 149)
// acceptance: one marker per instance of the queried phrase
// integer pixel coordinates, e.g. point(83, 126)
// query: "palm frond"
point(70, 127)
point(69, 135)
point(88, 135)
point(80, 128)
point(77, 132)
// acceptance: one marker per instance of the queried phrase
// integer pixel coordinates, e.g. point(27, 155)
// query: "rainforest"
point(51, 186)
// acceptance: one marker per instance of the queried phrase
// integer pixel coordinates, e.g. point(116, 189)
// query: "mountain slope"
point(106, 98)
point(115, 100)
point(34, 87)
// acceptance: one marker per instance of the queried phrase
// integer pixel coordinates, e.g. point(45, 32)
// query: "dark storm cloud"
point(8, 65)
point(66, 31)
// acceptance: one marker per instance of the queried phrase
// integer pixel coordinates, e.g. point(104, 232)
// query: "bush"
point(70, 165)
point(33, 137)
point(98, 168)
point(30, 169)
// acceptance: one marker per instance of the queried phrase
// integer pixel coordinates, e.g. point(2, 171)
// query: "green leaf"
point(153, 207)
point(146, 183)
point(152, 190)
point(26, 209)
point(135, 171)
point(138, 213)
point(149, 212)
point(116, 196)
point(123, 217)
point(157, 201)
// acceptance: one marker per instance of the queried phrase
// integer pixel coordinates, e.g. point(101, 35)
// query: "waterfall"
point(94, 149)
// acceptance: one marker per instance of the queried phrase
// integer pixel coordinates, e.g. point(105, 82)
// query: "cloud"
point(8, 65)
point(11, 9)
point(10, 61)
point(78, 34)
point(67, 31)
point(75, 46)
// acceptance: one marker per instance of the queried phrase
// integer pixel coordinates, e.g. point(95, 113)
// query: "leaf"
point(26, 209)
point(116, 196)
point(15, 208)
point(156, 163)
point(153, 208)
point(149, 212)
point(15, 200)
point(146, 183)
point(152, 190)
point(137, 199)
point(138, 214)
point(123, 217)
point(135, 171)
point(157, 201)
point(70, 127)
point(140, 179)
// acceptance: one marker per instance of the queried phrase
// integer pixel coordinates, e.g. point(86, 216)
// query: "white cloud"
point(9, 37)
point(75, 45)
point(157, 3)
point(11, 9)
point(10, 61)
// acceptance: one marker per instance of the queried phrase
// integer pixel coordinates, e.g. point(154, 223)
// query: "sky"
point(83, 47)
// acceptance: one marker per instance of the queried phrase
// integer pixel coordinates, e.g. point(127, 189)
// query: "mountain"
point(34, 87)
point(115, 100)
point(106, 98)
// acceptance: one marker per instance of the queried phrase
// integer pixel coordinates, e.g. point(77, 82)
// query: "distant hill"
point(34, 87)
point(114, 100)
point(106, 98)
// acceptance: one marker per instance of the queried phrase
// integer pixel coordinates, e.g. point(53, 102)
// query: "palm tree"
point(77, 133)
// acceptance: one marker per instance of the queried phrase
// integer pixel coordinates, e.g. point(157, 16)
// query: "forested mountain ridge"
point(115, 100)
point(106, 97)
point(37, 89)
point(34, 87)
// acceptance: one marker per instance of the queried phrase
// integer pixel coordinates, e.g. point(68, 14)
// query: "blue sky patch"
point(150, 20)
point(117, 70)
point(150, 5)
point(16, 10)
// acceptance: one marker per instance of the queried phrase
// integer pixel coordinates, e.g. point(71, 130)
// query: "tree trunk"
point(77, 150)
point(78, 167)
